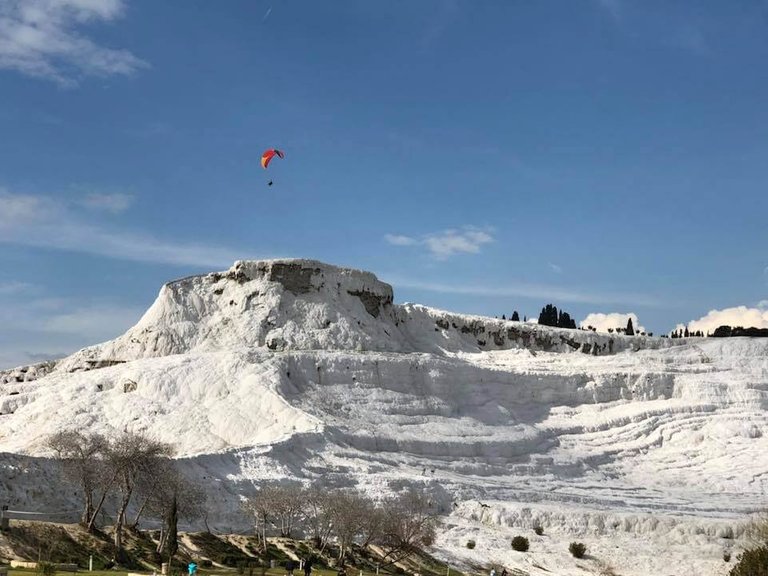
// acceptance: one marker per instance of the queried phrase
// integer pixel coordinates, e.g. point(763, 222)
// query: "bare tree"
point(409, 525)
point(259, 507)
point(81, 456)
point(372, 525)
point(131, 457)
point(348, 513)
point(288, 508)
point(278, 505)
point(173, 496)
point(317, 515)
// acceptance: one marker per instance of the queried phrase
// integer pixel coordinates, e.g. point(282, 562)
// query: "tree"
point(722, 331)
point(409, 524)
point(130, 457)
point(630, 331)
point(515, 316)
point(81, 456)
point(260, 507)
point(277, 505)
point(172, 496)
point(318, 515)
point(349, 509)
point(548, 315)
point(564, 320)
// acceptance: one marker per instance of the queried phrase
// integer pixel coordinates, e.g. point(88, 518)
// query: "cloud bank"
point(602, 322)
point(736, 316)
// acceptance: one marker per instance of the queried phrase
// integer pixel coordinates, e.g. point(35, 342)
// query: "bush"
point(520, 543)
point(577, 549)
point(752, 563)
point(539, 530)
point(46, 568)
point(471, 544)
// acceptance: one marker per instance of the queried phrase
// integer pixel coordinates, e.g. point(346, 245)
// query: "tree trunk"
point(161, 539)
point(135, 522)
point(92, 521)
point(119, 522)
point(205, 521)
point(172, 541)
point(88, 509)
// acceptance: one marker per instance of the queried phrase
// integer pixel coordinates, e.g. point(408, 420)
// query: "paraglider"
point(266, 158)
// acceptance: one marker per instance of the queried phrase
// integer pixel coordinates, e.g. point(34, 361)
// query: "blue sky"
point(607, 156)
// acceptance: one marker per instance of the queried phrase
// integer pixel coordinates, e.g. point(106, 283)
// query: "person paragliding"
point(266, 158)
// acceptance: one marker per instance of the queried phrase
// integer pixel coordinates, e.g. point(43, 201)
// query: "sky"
point(606, 156)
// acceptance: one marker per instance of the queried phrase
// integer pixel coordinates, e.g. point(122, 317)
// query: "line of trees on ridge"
point(399, 525)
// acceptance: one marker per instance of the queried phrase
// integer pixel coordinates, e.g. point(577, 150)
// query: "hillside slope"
point(297, 369)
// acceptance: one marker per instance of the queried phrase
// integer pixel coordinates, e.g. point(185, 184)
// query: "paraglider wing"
point(266, 158)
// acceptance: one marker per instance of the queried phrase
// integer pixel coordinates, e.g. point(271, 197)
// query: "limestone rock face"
point(287, 304)
point(285, 370)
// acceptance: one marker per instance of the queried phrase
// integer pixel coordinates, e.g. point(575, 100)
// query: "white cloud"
point(46, 328)
point(7, 288)
point(612, 320)
point(114, 203)
point(555, 268)
point(763, 304)
point(19, 208)
point(94, 323)
point(443, 245)
point(40, 38)
point(399, 240)
point(736, 316)
point(43, 222)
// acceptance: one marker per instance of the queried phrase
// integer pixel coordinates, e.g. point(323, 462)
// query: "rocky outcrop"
point(294, 304)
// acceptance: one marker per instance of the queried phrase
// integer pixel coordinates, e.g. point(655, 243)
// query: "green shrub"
point(520, 543)
point(205, 563)
point(577, 549)
point(471, 544)
point(538, 529)
point(46, 568)
point(752, 563)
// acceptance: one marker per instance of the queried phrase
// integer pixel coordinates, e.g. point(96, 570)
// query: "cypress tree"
point(548, 316)
point(630, 331)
